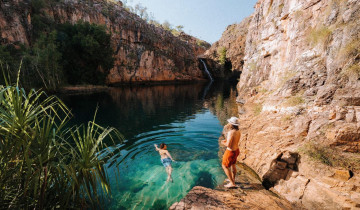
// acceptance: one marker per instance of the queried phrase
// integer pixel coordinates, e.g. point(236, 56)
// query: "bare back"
point(164, 153)
point(233, 139)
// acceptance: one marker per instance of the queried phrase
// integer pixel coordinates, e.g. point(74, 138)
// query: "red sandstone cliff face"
point(143, 52)
point(233, 40)
point(300, 85)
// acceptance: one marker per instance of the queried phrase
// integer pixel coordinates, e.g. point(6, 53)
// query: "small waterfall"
point(207, 71)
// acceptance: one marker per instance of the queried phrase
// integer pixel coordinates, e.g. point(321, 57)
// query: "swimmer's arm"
point(156, 147)
point(168, 153)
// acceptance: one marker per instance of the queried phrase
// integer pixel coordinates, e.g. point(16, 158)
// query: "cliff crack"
point(303, 192)
point(312, 4)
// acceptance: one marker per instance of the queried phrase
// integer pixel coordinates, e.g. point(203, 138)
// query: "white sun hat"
point(234, 121)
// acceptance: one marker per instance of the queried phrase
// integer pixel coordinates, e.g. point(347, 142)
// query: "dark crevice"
point(281, 168)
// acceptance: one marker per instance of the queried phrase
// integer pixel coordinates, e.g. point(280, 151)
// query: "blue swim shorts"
point(166, 162)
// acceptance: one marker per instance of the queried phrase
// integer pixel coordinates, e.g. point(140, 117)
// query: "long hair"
point(234, 127)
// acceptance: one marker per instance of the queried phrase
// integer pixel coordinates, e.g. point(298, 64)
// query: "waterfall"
point(207, 71)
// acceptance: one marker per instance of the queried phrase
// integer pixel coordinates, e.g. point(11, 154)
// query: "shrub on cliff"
point(87, 56)
point(222, 55)
point(44, 164)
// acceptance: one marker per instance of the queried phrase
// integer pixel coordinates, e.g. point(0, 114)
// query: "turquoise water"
point(182, 116)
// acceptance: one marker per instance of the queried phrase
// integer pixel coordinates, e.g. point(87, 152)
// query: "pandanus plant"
point(44, 163)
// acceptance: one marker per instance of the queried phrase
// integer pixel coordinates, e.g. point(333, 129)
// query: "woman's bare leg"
point(229, 175)
point(167, 172)
point(233, 167)
point(170, 171)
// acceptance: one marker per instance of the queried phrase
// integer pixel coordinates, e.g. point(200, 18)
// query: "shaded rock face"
point(233, 40)
point(300, 85)
point(143, 52)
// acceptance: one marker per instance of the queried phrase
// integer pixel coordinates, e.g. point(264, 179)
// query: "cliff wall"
point(143, 52)
point(300, 88)
point(233, 42)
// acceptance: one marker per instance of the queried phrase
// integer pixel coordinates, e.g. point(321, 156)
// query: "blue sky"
point(205, 19)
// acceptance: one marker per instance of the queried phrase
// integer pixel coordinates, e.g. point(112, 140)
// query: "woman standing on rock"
point(231, 142)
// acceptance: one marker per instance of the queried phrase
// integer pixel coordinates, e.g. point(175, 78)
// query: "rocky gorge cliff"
point(143, 52)
point(300, 88)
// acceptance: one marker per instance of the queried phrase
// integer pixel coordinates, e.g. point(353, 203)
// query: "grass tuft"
point(330, 156)
point(295, 100)
point(319, 35)
point(252, 66)
point(353, 71)
point(257, 108)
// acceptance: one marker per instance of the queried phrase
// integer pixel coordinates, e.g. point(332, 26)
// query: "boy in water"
point(166, 159)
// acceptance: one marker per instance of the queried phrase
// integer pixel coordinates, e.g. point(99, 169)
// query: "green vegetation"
point(44, 164)
point(143, 13)
point(286, 118)
point(351, 49)
point(295, 100)
point(166, 25)
point(202, 43)
point(257, 108)
point(352, 71)
point(320, 35)
point(351, 53)
point(44, 59)
point(330, 156)
point(281, 6)
point(222, 55)
point(69, 54)
point(87, 55)
point(252, 66)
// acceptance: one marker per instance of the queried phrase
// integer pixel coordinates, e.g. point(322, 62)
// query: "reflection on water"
point(183, 116)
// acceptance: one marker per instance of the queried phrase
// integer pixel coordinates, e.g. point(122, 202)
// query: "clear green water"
point(182, 116)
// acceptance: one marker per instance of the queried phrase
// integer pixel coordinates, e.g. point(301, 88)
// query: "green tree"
point(45, 61)
point(180, 28)
point(87, 55)
point(166, 25)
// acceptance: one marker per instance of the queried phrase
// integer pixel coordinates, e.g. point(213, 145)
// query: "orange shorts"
point(230, 157)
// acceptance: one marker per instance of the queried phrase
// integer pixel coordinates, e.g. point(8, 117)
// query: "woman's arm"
point(228, 139)
point(168, 153)
point(156, 147)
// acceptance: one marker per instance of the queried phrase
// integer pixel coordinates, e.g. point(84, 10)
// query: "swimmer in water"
point(166, 159)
